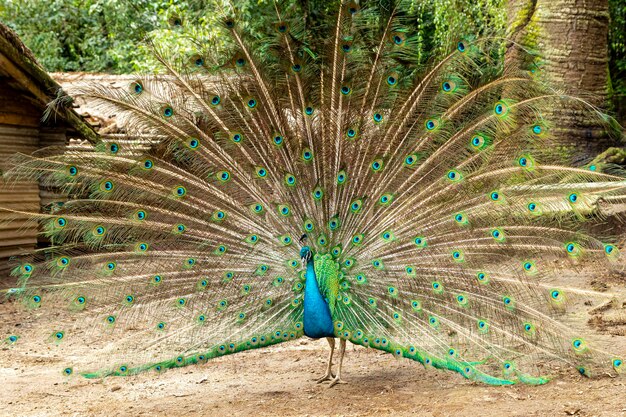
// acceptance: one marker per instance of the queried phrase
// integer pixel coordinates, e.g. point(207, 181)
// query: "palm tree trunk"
point(572, 38)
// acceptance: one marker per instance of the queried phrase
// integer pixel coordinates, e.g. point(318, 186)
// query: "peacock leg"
point(328, 376)
point(342, 350)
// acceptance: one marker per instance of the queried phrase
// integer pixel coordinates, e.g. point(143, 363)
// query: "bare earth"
point(280, 381)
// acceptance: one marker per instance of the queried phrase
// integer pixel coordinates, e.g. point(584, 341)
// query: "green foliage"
point(88, 35)
point(108, 35)
point(85, 35)
point(617, 51)
point(442, 22)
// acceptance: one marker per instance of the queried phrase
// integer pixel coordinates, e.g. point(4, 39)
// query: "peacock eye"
point(290, 179)
point(168, 111)
point(500, 109)
point(136, 87)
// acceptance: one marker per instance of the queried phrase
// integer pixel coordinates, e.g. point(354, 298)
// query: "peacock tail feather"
point(433, 202)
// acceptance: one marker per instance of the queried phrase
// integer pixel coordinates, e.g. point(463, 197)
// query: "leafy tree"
point(617, 54)
point(108, 35)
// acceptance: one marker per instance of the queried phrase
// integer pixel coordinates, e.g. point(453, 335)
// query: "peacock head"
point(305, 251)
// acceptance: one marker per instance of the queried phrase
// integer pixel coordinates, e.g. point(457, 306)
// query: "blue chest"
point(317, 320)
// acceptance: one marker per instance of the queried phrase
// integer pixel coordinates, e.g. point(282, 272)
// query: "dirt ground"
point(280, 381)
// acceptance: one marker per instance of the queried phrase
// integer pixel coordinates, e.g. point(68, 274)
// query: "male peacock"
point(324, 187)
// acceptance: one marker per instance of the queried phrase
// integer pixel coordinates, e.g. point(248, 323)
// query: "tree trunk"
point(571, 36)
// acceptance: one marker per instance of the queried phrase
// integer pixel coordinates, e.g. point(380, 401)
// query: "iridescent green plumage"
point(433, 202)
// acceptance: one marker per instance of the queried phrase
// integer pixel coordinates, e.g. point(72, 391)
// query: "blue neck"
point(317, 319)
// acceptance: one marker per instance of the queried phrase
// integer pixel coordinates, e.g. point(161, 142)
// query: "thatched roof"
point(24, 73)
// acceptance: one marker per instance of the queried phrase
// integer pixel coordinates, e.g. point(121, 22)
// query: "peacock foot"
point(336, 380)
point(328, 376)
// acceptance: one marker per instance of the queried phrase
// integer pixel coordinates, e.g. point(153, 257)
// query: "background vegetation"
point(617, 53)
point(107, 35)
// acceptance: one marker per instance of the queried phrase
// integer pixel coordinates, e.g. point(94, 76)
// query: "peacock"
point(322, 185)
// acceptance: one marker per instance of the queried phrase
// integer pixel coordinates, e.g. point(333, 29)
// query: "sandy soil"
point(280, 381)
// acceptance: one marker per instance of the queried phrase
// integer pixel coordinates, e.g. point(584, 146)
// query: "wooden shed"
point(25, 91)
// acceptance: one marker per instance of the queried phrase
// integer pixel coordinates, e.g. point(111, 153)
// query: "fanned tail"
point(445, 214)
